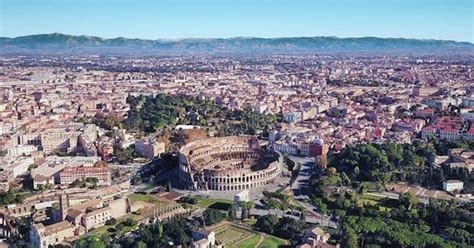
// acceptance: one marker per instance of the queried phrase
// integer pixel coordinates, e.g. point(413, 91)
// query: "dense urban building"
point(86, 125)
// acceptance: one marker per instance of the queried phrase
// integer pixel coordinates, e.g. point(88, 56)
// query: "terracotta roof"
point(57, 227)
point(318, 231)
point(73, 212)
point(90, 203)
point(97, 211)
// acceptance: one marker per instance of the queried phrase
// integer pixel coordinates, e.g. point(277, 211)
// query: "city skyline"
point(419, 19)
point(236, 123)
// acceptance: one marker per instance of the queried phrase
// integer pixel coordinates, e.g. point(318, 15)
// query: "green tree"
point(266, 223)
point(289, 228)
point(212, 216)
point(408, 200)
point(141, 244)
point(231, 215)
point(159, 229)
point(130, 222)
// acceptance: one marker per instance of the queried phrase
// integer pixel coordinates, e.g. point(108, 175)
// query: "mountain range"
point(56, 43)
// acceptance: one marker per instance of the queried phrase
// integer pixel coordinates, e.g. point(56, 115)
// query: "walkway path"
point(263, 236)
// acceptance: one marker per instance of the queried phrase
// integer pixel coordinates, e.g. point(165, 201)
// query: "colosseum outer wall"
point(221, 164)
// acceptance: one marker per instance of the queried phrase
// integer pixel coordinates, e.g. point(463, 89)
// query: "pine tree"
point(168, 188)
point(231, 215)
point(244, 213)
point(441, 175)
point(159, 229)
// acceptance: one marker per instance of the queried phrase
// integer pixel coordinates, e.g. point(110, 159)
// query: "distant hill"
point(68, 44)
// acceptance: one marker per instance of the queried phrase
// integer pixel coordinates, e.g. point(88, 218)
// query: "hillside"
point(68, 44)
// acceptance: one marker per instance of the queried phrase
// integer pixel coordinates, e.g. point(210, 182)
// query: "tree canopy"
point(385, 163)
point(150, 113)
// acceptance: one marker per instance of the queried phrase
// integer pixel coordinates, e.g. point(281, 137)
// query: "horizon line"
point(236, 37)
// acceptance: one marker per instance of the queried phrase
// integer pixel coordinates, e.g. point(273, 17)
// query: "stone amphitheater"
point(227, 164)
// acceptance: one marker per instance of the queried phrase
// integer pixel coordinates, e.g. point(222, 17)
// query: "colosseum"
point(226, 164)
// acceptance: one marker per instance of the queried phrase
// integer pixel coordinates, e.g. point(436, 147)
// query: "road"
point(301, 189)
point(301, 185)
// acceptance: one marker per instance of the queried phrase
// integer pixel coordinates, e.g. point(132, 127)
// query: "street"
point(301, 189)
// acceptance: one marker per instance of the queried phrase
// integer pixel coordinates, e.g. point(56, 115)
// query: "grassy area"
point(373, 197)
point(249, 243)
point(249, 222)
point(109, 229)
point(373, 200)
point(205, 202)
point(273, 242)
point(234, 236)
point(149, 186)
point(145, 198)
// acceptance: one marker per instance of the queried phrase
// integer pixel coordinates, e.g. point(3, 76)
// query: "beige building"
point(204, 239)
point(150, 148)
point(461, 158)
point(18, 166)
point(55, 164)
point(5, 179)
point(42, 180)
point(43, 236)
point(59, 140)
point(119, 207)
point(71, 174)
point(316, 238)
point(93, 213)
point(20, 150)
point(96, 218)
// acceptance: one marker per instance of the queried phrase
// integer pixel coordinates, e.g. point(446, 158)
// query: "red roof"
point(429, 128)
point(451, 130)
point(426, 111)
point(86, 169)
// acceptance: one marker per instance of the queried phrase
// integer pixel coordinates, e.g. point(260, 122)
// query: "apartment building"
point(96, 218)
point(71, 174)
point(17, 166)
point(149, 148)
point(46, 236)
point(59, 140)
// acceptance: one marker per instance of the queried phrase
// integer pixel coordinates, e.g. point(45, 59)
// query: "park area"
point(233, 235)
point(144, 198)
point(121, 226)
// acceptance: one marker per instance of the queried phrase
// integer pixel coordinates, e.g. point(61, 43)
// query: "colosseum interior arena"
point(227, 164)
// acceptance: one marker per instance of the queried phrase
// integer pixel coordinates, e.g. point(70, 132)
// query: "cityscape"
point(300, 140)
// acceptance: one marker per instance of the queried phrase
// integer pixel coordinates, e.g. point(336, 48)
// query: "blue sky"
point(170, 19)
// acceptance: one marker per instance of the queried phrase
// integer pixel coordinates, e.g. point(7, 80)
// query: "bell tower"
point(64, 205)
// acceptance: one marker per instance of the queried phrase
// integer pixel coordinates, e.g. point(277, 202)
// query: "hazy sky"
point(436, 19)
